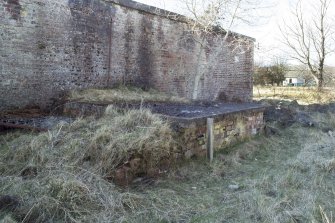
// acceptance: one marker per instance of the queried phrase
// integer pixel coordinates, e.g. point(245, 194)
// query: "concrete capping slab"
point(202, 120)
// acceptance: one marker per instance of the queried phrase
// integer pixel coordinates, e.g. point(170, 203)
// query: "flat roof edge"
point(163, 13)
point(150, 9)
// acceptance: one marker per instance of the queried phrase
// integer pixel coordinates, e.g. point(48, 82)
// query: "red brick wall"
point(48, 47)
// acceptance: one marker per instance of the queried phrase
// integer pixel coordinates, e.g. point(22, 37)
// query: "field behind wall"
point(303, 95)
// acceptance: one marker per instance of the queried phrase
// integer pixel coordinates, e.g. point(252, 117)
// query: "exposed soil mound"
point(287, 113)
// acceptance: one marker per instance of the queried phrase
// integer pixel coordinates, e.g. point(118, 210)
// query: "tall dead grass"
point(288, 177)
point(123, 94)
point(60, 175)
point(304, 95)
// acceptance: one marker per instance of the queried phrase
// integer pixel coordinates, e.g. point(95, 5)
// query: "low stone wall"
point(228, 129)
point(232, 123)
point(77, 109)
point(191, 135)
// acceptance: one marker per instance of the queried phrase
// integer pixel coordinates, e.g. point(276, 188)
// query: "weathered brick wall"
point(48, 47)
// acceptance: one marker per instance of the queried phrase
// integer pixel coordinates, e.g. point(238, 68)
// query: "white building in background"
point(297, 76)
point(300, 76)
point(294, 81)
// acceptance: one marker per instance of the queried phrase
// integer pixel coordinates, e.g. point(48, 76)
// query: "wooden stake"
point(210, 138)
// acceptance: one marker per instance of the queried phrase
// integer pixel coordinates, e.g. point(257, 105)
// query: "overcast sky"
point(265, 30)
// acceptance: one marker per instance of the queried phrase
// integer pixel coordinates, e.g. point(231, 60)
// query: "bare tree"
point(216, 18)
point(310, 37)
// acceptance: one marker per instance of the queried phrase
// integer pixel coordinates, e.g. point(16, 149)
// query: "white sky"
point(266, 32)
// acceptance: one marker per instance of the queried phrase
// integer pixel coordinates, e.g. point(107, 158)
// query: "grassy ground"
point(288, 177)
point(123, 94)
point(64, 175)
point(304, 95)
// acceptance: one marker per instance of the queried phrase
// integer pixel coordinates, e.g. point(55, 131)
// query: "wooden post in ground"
point(210, 139)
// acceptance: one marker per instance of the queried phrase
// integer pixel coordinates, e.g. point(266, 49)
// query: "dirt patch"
point(32, 119)
point(287, 113)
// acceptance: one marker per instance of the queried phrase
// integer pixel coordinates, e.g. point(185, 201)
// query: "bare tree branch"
point(310, 38)
point(216, 18)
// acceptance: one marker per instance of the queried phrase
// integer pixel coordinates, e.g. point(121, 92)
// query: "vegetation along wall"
point(48, 47)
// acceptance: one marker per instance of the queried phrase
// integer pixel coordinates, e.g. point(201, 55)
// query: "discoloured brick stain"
point(14, 8)
point(67, 44)
point(146, 59)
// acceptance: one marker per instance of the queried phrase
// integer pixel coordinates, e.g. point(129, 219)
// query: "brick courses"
point(48, 47)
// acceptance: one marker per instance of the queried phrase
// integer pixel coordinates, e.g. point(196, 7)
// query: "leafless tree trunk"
point(309, 37)
point(214, 18)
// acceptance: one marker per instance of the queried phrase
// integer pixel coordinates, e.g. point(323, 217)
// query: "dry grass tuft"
point(324, 216)
point(123, 94)
point(61, 175)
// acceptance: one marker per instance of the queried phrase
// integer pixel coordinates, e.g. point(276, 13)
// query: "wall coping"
point(165, 13)
point(249, 107)
point(203, 119)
